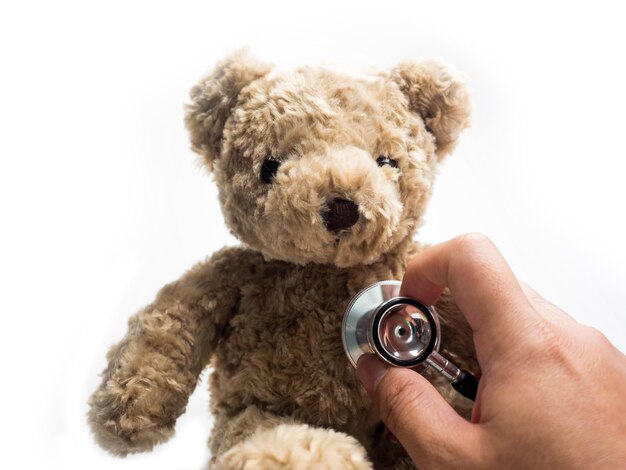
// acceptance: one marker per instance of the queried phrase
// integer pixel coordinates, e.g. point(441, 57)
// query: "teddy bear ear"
point(438, 93)
point(213, 99)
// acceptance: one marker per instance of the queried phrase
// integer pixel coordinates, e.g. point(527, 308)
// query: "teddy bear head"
point(322, 165)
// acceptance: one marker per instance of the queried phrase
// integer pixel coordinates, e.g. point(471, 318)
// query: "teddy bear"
point(324, 174)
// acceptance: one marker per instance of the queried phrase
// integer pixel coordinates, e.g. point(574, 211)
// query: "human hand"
point(552, 392)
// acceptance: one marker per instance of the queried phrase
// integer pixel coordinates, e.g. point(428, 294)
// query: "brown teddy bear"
point(324, 175)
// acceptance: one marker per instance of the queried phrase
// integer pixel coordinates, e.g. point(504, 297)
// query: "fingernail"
point(371, 371)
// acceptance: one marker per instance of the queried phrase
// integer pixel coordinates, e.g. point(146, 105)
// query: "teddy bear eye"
point(384, 160)
point(269, 169)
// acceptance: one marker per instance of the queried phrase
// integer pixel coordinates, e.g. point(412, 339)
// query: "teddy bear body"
point(288, 327)
point(323, 176)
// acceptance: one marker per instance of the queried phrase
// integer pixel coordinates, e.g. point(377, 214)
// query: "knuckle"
point(547, 337)
point(596, 336)
point(473, 240)
point(550, 343)
point(473, 254)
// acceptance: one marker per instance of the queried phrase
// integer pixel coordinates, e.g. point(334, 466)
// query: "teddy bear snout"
point(340, 214)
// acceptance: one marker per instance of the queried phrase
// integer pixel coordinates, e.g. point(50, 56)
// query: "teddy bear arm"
point(154, 369)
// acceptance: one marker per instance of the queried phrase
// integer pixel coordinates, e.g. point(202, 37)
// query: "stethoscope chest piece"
point(401, 331)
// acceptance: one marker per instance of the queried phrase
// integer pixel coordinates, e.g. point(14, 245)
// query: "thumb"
point(431, 432)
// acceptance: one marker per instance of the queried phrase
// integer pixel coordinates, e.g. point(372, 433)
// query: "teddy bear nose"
point(340, 214)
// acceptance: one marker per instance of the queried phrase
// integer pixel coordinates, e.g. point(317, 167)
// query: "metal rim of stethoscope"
point(379, 299)
point(361, 335)
point(384, 310)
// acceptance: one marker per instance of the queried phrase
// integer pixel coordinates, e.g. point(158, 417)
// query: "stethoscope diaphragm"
point(401, 331)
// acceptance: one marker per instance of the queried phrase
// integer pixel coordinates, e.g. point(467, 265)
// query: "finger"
point(481, 282)
point(432, 433)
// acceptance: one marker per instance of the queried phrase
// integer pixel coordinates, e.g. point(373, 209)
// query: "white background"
point(102, 202)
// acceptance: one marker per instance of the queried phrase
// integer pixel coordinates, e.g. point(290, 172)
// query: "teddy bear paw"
point(295, 446)
point(124, 425)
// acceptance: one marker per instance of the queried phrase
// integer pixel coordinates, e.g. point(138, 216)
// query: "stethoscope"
point(402, 332)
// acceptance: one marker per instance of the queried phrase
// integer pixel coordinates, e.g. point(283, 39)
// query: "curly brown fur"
point(213, 100)
point(437, 93)
point(289, 446)
point(154, 369)
point(268, 314)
